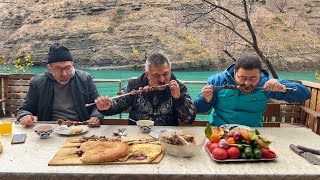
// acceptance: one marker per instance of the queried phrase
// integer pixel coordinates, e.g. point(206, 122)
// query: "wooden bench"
point(311, 119)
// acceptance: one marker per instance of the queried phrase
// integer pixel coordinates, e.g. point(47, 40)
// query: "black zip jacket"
point(39, 100)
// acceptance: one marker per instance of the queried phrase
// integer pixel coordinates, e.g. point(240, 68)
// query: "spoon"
point(132, 120)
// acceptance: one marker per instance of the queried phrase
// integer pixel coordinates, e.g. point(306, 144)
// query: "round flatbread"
point(102, 151)
point(150, 151)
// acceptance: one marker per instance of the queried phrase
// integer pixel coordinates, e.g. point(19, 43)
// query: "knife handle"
point(295, 149)
point(306, 149)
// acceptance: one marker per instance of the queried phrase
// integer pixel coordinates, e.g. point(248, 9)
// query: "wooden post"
point(3, 92)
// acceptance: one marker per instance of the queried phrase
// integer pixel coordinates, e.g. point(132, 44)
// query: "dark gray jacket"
point(39, 100)
point(158, 106)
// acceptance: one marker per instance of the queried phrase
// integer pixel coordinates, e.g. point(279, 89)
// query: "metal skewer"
point(114, 97)
point(238, 87)
point(122, 95)
point(294, 89)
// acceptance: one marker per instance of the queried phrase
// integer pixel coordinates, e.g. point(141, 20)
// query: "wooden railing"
point(307, 113)
point(310, 110)
point(13, 89)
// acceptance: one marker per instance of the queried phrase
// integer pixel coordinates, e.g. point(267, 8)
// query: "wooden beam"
point(271, 124)
point(311, 84)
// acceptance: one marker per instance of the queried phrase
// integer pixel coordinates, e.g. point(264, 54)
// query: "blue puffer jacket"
point(233, 107)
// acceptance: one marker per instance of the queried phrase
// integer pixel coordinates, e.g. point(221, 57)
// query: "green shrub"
point(120, 11)
point(110, 30)
point(278, 18)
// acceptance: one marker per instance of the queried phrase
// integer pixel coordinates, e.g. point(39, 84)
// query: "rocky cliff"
point(120, 34)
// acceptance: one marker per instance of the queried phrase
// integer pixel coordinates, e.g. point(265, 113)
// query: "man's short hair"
point(156, 59)
point(248, 63)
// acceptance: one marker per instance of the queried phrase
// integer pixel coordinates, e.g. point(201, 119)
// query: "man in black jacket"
point(167, 104)
point(61, 92)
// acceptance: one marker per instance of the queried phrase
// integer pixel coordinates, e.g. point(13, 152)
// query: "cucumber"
point(248, 151)
point(257, 153)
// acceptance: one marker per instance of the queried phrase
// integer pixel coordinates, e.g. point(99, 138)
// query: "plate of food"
point(237, 144)
point(71, 130)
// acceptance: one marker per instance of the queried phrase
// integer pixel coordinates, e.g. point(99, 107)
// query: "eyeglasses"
point(67, 69)
point(244, 78)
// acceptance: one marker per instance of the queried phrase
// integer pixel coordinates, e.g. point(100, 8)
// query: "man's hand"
point(28, 120)
point(207, 93)
point(93, 122)
point(274, 85)
point(174, 89)
point(103, 103)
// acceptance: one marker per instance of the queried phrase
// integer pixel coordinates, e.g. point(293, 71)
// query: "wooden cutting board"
point(66, 156)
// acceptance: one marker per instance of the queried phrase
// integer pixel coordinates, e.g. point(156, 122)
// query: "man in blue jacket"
point(61, 92)
point(245, 90)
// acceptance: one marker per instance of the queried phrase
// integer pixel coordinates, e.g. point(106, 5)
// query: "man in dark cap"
point(60, 93)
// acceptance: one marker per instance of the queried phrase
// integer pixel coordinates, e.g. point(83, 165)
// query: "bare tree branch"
point(249, 25)
point(233, 30)
point(246, 19)
point(255, 42)
point(201, 15)
point(225, 16)
point(224, 9)
point(229, 54)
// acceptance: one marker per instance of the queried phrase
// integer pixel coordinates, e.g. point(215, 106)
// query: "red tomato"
point(220, 153)
point(233, 152)
point(208, 144)
point(213, 146)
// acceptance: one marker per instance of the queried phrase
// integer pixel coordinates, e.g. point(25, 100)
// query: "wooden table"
point(30, 160)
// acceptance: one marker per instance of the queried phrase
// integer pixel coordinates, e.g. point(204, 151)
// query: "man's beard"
point(66, 81)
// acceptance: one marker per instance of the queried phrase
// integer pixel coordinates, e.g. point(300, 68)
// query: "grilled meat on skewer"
point(76, 123)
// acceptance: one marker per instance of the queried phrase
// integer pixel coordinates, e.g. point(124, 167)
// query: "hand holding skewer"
point(174, 89)
point(207, 93)
point(271, 85)
point(105, 102)
point(276, 86)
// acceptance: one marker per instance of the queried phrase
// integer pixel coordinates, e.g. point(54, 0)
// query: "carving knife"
point(306, 149)
point(311, 158)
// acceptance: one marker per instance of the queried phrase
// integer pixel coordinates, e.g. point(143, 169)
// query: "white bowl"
point(188, 150)
point(44, 130)
point(145, 126)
